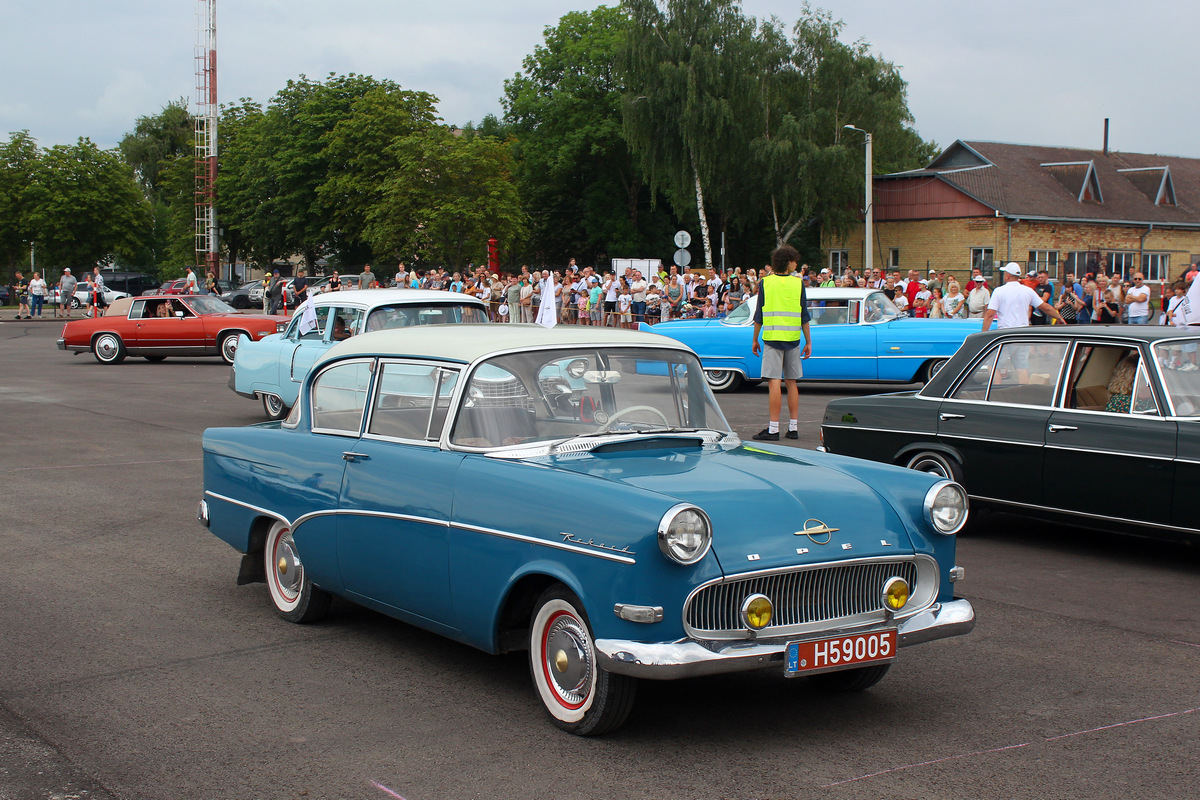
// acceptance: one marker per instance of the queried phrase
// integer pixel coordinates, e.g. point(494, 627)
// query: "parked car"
point(82, 297)
point(393, 483)
point(1092, 425)
point(273, 369)
point(131, 283)
point(244, 295)
point(858, 335)
point(193, 325)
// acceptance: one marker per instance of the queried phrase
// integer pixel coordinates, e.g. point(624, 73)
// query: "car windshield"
point(879, 308)
point(551, 395)
point(1178, 359)
point(210, 304)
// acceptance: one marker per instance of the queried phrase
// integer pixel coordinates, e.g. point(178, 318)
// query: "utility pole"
point(207, 244)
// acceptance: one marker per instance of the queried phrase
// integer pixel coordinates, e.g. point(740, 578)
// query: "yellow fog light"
point(895, 594)
point(756, 612)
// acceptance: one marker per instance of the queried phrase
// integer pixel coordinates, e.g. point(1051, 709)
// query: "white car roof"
point(468, 343)
point(372, 298)
point(837, 293)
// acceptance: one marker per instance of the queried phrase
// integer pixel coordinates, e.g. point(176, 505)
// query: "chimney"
point(1106, 136)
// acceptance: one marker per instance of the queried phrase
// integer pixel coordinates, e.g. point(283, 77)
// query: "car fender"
point(909, 450)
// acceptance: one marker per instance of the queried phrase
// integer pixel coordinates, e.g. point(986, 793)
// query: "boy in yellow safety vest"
point(782, 317)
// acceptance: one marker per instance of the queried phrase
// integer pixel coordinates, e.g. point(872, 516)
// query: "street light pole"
point(870, 207)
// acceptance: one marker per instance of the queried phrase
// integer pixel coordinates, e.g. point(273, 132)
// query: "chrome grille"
point(799, 597)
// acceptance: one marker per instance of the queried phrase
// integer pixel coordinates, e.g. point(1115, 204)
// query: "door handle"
point(944, 417)
point(1057, 428)
point(353, 457)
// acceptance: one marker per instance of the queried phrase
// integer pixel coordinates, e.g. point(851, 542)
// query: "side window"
point(1026, 372)
point(339, 396)
point(299, 330)
point(1143, 395)
point(412, 401)
point(138, 310)
point(347, 322)
point(833, 312)
point(975, 385)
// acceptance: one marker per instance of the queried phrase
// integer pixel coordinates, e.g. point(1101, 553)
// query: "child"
point(625, 305)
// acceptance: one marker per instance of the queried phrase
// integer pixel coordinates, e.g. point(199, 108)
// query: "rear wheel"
point(108, 349)
point(229, 345)
point(274, 407)
point(932, 368)
point(581, 698)
point(935, 464)
point(723, 380)
point(850, 680)
point(292, 593)
point(75, 302)
point(241, 301)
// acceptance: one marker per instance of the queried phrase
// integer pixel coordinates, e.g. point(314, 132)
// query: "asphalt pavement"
point(133, 666)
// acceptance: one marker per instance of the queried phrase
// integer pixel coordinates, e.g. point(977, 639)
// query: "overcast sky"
point(1045, 72)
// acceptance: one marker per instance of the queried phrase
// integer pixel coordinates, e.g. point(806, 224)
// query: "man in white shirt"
point(637, 288)
point(1011, 303)
point(1137, 297)
point(189, 284)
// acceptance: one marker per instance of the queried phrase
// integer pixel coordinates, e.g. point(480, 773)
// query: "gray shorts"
point(781, 364)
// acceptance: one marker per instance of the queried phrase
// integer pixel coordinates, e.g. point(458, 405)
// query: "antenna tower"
point(207, 256)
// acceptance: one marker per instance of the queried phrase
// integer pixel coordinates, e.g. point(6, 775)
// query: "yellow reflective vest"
point(783, 311)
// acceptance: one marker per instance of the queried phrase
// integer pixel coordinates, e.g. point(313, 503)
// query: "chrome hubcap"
point(568, 663)
point(288, 569)
point(106, 347)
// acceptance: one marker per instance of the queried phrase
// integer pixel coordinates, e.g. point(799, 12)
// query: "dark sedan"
point(1094, 425)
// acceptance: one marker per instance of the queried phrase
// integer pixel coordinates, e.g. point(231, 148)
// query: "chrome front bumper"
point(689, 658)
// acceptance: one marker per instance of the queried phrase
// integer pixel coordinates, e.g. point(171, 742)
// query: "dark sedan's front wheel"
point(935, 464)
point(294, 596)
point(582, 698)
point(723, 380)
point(240, 301)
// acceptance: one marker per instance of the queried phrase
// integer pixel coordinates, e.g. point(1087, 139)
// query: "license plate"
point(836, 652)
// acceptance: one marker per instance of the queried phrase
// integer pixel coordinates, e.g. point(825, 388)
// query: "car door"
point(155, 332)
point(397, 495)
point(1115, 464)
point(309, 348)
point(996, 418)
point(842, 348)
point(301, 350)
point(1180, 382)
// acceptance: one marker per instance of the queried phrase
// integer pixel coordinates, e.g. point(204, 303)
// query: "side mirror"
point(179, 314)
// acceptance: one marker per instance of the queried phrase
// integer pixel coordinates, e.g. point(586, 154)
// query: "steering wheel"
point(629, 410)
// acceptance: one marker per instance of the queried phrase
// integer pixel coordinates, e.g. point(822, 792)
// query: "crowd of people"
point(33, 294)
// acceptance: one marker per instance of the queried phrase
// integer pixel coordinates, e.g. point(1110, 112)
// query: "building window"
point(983, 258)
point(839, 261)
point(1082, 262)
point(1122, 263)
point(893, 257)
point(1044, 260)
point(1156, 266)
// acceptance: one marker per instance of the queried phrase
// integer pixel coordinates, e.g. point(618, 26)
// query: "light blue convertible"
point(577, 493)
point(858, 335)
point(274, 367)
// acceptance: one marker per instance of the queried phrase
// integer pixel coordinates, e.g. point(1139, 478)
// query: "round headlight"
point(946, 507)
point(895, 593)
point(684, 534)
point(757, 611)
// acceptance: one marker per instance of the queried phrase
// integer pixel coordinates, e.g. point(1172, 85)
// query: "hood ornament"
point(814, 528)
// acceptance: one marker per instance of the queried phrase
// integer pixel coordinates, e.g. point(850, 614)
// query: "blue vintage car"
point(577, 493)
point(858, 335)
point(274, 367)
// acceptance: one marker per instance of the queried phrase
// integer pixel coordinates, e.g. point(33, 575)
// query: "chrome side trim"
point(1105, 517)
point(520, 537)
point(690, 657)
point(353, 512)
point(1096, 451)
point(259, 509)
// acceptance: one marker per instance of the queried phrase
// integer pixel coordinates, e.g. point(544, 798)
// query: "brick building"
point(1055, 208)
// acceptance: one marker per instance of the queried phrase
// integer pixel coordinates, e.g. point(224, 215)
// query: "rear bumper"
point(690, 658)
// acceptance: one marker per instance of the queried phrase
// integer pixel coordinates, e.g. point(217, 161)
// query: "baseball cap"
point(978, 279)
point(66, 269)
point(933, 272)
point(1012, 268)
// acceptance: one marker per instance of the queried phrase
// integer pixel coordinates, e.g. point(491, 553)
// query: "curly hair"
point(1123, 374)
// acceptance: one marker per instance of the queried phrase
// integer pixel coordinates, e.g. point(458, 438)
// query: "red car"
point(170, 287)
point(159, 326)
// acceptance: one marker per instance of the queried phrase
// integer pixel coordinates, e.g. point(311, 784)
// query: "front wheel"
point(274, 407)
point(581, 698)
point(75, 302)
point(229, 345)
point(240, 301)
point(108, 349)
point(294, 596)
point(723, 380)
point(850, 680)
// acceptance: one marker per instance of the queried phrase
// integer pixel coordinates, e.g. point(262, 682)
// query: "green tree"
point(810, 166)
point(691, 103)
point(443, 197)
point(86, 206)
point(19, 158)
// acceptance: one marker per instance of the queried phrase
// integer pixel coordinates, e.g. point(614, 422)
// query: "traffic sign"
point(682, 239)
point(682, 257)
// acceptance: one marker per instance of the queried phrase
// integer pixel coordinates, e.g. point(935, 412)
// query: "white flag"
point(308, 319)
point(1188, 312)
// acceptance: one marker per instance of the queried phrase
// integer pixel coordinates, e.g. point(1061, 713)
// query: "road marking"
point(108, 464)
point(383, 788)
